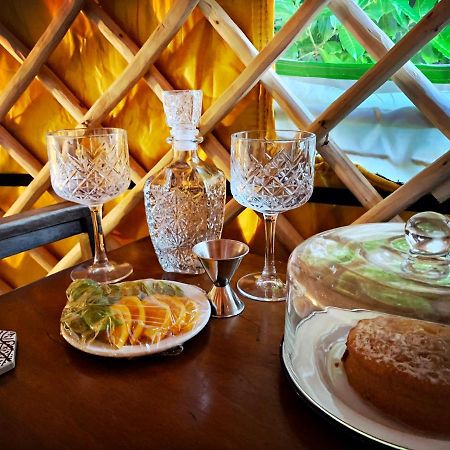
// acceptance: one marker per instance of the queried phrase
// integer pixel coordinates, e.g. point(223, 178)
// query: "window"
point(387, 133)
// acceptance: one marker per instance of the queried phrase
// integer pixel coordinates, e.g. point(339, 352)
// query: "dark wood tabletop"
point(226, 390)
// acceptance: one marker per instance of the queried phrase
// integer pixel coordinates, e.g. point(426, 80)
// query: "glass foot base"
point(109, 273)
point(252, 287)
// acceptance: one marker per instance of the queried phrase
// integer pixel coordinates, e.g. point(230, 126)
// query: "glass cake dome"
point(344, 275)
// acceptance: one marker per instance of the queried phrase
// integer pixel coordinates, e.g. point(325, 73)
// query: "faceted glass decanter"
point(184, 201)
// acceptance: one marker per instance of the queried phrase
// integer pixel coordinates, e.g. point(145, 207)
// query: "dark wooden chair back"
point(37, 227)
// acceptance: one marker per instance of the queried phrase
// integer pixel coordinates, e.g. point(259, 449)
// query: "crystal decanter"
point(184, 201)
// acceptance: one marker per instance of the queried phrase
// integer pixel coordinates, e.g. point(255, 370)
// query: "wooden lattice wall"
point(392, 61)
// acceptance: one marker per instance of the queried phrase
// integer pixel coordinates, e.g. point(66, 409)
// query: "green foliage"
point(327, 40)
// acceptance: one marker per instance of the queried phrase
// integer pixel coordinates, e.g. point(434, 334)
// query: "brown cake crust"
point(402, 366)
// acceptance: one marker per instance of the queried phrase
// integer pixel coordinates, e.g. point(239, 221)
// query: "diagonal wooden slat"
point(424, 182)
point(254, 71)
point(414, 84)
point(298, 112)
point(425, 30)
point(442, 192)
point(141, 62)
point(19, 153)
point(32, 192)
point(63, 95)
point(37, 57)
point(154, 45)
point(219, 152)
point(50, 80)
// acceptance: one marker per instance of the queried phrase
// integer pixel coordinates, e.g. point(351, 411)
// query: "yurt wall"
point(69, 63)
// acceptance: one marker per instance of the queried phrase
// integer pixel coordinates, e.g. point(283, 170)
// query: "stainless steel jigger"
point(221, 258)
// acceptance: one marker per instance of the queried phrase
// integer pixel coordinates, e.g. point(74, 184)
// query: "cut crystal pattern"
point(280, 183)
point(89, 170)
point(182, 213)
point(185, 201)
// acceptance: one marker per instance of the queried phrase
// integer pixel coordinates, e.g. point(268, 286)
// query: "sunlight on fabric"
point(248, 223)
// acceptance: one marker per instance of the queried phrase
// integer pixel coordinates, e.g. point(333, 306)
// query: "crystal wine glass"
point(91, 167)
point(271, 172)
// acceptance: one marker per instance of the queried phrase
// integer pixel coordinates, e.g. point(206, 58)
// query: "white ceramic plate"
point(129, 351)
point(317, 371)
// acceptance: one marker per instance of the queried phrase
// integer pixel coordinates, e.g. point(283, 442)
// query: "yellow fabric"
point(197, 58)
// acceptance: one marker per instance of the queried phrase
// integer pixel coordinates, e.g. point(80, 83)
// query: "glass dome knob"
point(428, 234)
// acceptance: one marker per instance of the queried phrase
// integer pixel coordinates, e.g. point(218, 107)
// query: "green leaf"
point(291, 53)
point(389, 25)
point(428, 55)
point(422, 7)
point(374, 10)
point(329, 57)
point(403, 5)
point(387, 5)
point(332, 47)
point(349, 43)
point(402, 20)
point(442, 42)
point(325, 29)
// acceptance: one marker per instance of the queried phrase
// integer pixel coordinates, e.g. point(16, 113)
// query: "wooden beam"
point(425, 181)
point(297, 111)
point(254, 71)
point(396, 57)
point(19, 153)
point(442, 192)
point(141, 62)
point(40, 53)
point(416, 86)
point(58, 89)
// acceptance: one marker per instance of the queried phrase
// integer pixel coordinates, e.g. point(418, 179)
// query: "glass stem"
point(269, 272)
point(100, 258)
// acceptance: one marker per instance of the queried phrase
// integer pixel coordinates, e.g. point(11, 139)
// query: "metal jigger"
point(221, 258)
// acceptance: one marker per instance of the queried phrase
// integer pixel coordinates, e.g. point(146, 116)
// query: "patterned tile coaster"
point(8, 342)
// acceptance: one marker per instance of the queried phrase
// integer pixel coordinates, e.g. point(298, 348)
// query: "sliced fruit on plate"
point(192, 314)
point(137, 311)
point(119, 328)
point(157, 319)
point(177, 310)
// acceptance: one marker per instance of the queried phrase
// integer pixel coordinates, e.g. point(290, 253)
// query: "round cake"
point(402, 366)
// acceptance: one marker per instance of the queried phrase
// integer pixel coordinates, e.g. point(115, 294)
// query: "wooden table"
point(226, 390)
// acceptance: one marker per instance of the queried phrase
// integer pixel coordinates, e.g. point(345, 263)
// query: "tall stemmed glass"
point(91, 166)
point(271, 172)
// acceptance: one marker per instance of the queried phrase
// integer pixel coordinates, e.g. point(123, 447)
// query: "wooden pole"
point(254, 71)
point(32, 192)
point(297, 111)
point(40, 53)
point(153, 78)
point(19, 152)
point(63, 95)
point(424, 182)
point(396, 57)
point(141, 62)
point(442, 192)
point(416, 86)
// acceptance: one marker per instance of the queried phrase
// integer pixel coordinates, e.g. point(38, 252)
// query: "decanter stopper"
point(428, 237)
point(183, 110)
